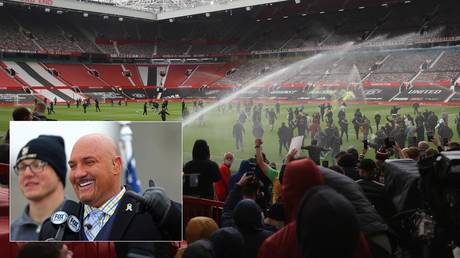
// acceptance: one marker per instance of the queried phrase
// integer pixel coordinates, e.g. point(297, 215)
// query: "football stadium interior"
point(377, 51)
point(365, 53)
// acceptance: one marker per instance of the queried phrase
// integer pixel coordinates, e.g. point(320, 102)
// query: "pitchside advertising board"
point(380, 93)
point(374, 94)
point(424, 94)
point(211, 93)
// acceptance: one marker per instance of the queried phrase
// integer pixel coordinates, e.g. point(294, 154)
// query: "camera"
point(427, 202)
point(441, 187)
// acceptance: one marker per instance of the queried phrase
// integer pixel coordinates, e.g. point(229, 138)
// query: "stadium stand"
point(112, 74)
point(178, 74)
point(7, 80)
point(76, 74)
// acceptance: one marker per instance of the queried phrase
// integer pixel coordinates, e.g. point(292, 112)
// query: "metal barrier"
point(194, 207)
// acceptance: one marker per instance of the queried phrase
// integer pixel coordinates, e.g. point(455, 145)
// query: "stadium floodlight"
point(269, 19)
point(297, 1)
point(285, 17)
point(120, 18)
point(47, 10)
point(1, 4)
point(384, 5)
point(85, 14)
point(407, 2)
point(171, 20)
point(105, 17)
point(341, 10)
point(304, 14)
point(208, 14)
point(258, 20)
point(59, 12)
point(361, 7)
point(248, 8)
point(322, 12)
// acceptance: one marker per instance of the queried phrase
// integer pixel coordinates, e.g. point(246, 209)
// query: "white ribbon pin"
point(129, 207)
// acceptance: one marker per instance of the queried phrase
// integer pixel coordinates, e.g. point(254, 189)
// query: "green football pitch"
point(217, 127)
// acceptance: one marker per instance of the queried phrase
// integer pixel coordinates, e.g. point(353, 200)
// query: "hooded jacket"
point(248, 220)
point(227, 243)
point(244, 167)
point(299, 177)
point(207, 169)
point(335, 221)
point(199, 249)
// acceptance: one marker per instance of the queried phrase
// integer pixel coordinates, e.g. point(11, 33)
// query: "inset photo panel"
point(96, 181)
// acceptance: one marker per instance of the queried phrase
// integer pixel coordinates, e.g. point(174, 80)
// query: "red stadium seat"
point(4, 172)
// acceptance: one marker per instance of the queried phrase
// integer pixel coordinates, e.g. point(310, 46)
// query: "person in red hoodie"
point(221, 187)
point(299, 176)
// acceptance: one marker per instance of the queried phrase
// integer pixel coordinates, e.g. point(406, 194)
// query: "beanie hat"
point(48, 148)
point(382, 154)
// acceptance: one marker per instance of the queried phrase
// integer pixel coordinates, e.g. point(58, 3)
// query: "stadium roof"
point(176, 8)
point(170, 9)
point(149, 9)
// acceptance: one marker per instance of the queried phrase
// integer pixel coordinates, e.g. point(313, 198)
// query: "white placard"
point(296, 143)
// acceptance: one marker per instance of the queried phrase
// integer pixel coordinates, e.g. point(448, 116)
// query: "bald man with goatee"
point(107, 213)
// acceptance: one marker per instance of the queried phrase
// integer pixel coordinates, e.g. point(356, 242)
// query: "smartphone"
point(365, 144)
point(325, 163)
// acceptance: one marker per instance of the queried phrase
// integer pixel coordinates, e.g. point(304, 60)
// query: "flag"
point(131, 180)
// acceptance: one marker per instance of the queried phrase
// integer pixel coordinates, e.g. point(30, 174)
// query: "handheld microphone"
point(55, 227)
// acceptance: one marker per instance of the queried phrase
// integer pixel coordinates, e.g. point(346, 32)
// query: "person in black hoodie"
point(327, 225)
point(227, 243)
point(199, 249)
point(248, 220)
point(200, 169)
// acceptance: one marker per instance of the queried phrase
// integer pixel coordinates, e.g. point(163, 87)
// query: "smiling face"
point(37, 186)
point(95, 169)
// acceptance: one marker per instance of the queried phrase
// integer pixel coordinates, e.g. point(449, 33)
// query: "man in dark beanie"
point(41, 169)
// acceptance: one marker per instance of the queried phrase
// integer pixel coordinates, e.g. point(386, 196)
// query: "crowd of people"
point(351, 203)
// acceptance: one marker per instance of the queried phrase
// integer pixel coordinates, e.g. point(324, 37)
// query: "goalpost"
point(19, 99)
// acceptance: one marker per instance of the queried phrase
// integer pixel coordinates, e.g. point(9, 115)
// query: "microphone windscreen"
point(49, 229)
